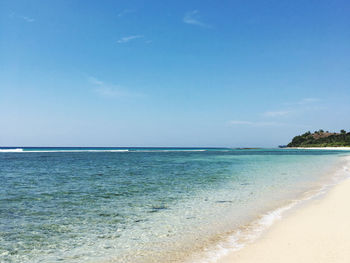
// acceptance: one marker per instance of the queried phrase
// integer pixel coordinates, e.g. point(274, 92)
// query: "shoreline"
point(318, 230)
point(208, 221)
point(342, 148)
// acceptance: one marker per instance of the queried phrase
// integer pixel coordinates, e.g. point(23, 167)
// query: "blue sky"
point(172, 73)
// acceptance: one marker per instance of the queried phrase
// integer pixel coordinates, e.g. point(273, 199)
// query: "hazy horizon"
point(172, 74)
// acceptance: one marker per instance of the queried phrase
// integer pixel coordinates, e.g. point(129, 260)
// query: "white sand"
point(318, 232)
point(321, 148)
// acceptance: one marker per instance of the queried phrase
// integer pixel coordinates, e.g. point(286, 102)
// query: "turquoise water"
point(140, 204)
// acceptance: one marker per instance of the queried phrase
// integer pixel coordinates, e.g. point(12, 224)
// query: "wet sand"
point(319, 231)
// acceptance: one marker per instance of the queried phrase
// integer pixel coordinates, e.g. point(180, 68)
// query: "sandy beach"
point(318, 232)
point(321, 148)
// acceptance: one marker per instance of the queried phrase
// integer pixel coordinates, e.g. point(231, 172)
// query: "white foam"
point(56, 151)
point(173, 150)
point(101, 150)
point(119, 150)
point(17, 150)
point(239, 239)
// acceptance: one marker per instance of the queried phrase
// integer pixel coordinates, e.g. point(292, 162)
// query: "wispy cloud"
point(279, 113)
point(262, 123)
point(110, 90)
point(125, 12)
point(308, 100)
point(28, 19)
point(290, 111)
point(95, 81)
point(24, 18)
point(240, 122)
point(128, 38)
point(193, 18)
point(304, 101)
point(255, 123)
point(300, 106)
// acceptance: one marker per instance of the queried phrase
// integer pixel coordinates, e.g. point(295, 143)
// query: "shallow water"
point(140, 204)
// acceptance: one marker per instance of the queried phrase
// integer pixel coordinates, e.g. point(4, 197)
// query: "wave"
point(73, 151)
point(111, 150)
point(247, 234)
point(56, 151)
point(199, 150)
point(17, 150)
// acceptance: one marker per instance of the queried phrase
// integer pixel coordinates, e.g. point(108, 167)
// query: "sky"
point(172, 73)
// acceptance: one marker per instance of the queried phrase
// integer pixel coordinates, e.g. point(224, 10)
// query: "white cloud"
point(192, 18)
point(263, 123)
point(256, 123)
point(128, 38)
point(308, 100)
point(276, 113)
point(304, 101)
point(111, 90)
point(95, 81)
point(240, 122)
point(125, 12)
point(28, 19)
point(300, 106)
point(296, 108)
point(25, 18)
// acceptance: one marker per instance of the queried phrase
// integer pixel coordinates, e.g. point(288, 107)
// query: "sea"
point(145, 205)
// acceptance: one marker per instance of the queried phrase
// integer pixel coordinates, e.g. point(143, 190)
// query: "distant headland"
point(321, 138)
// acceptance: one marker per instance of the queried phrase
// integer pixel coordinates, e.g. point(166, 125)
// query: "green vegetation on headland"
point(321, 139)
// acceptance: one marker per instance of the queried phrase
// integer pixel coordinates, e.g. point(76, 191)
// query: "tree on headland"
point(321, 139)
